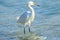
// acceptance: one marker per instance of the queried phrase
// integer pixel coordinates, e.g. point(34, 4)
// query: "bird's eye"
point(33, 3)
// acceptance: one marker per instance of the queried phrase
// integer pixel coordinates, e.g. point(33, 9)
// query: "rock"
point(31, 37)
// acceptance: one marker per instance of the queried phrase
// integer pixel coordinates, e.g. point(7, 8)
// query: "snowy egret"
point(27, 17)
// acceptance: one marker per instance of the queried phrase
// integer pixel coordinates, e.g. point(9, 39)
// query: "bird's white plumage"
point(28, 12)
point(27, 17)
point(31, 3)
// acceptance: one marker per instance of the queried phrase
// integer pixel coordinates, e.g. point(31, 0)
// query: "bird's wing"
point(24, 17)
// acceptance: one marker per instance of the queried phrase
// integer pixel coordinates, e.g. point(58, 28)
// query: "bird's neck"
point(32, 10)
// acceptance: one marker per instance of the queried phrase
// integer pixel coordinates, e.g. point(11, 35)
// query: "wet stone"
point(31, 37)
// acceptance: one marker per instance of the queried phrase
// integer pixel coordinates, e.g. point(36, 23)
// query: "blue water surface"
point(46, 23)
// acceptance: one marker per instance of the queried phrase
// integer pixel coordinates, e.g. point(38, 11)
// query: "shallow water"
point(46, 23)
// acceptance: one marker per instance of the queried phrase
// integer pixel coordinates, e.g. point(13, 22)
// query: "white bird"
point(27, 17)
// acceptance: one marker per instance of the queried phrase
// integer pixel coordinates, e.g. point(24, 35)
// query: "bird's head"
point(32, 3)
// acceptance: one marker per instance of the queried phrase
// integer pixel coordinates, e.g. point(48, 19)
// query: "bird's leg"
point(29, 29)
point(24, 30)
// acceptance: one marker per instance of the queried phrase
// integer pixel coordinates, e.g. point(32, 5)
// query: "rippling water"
point(46, 23)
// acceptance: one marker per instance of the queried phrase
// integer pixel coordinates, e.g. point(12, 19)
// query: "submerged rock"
point(31, 37)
